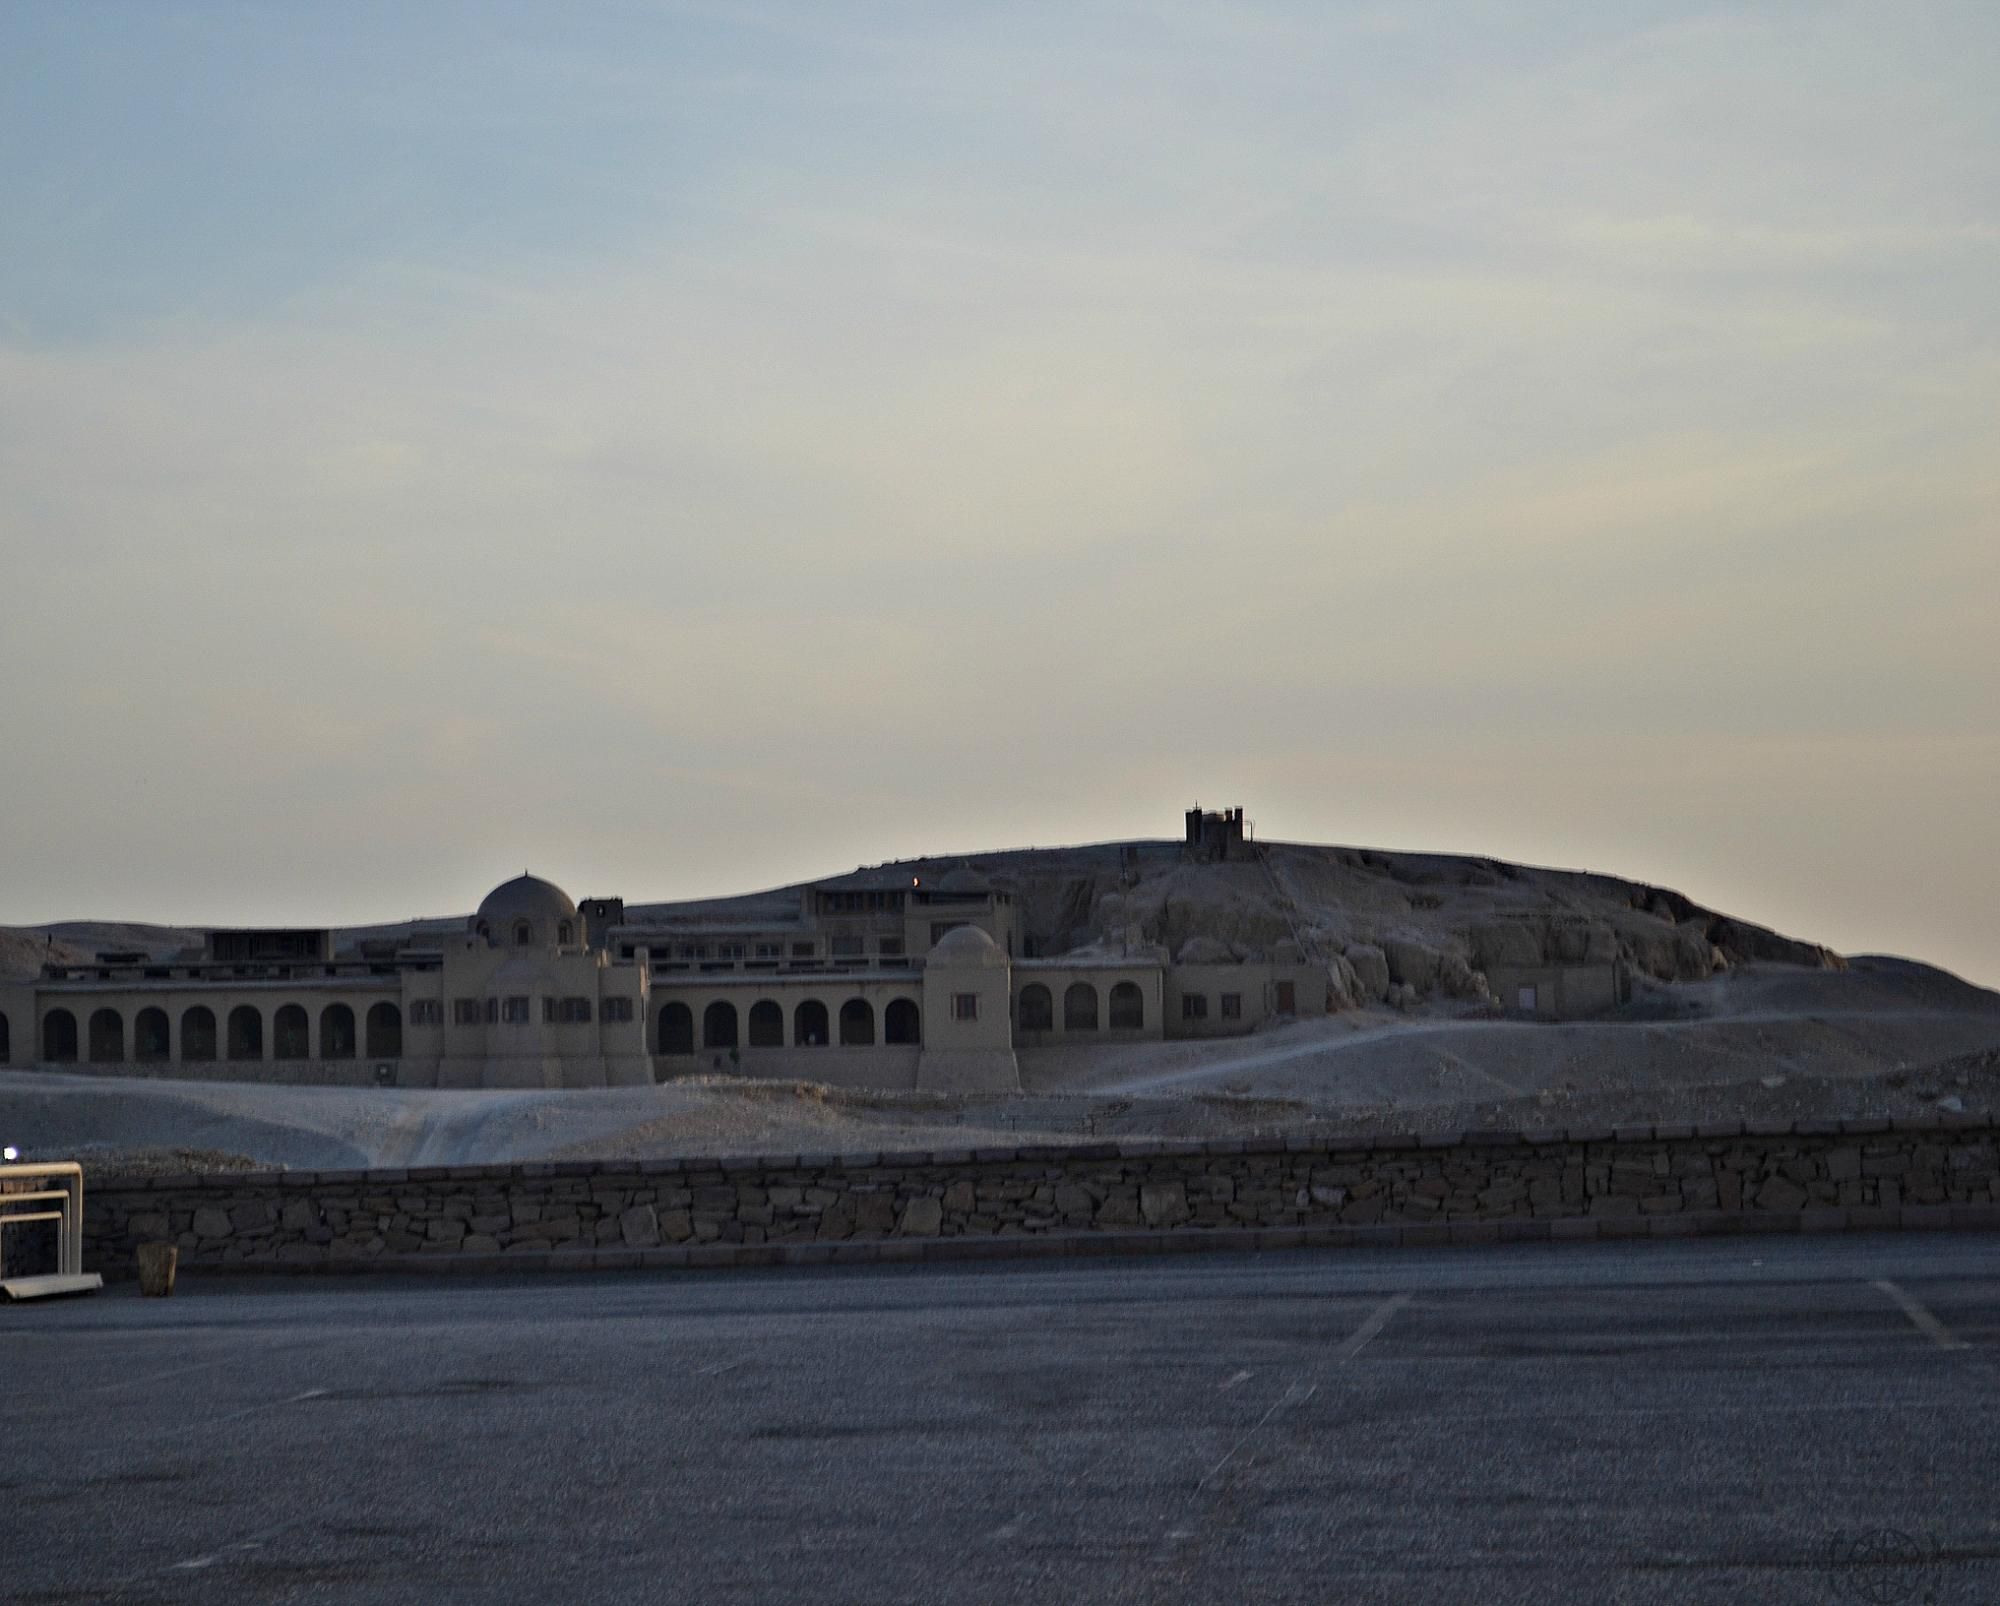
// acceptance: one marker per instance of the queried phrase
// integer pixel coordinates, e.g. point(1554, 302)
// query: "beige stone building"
point(878, 979)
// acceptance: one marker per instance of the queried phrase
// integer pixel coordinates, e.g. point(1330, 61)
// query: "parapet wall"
point(799, 1208)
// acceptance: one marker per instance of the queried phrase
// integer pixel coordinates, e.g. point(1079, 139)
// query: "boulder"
point(921, 1219)
point(1164, 1204)
point(1343, 987)
point(1506, 942)
point(640, 1227)
point(1577, 942)
point(1412, 963)
point(1371, 970)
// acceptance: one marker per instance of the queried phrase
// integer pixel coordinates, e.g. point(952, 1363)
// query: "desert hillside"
point(1381, 921)
point(1727, 1020)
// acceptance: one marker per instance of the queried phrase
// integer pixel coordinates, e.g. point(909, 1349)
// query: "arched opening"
point(291, 1038)
point(6, 1040)
point(718, 1025)
point(59, 1036)
point(857, 1024)
point(524, 934)
point(1128, 1007)
point(900, 1022)
point(246, 1033)
point(565, 934)
point(107, 1037)
point(1037, 1009)
point(149, 1036)
point(767, 1025)
point(385, 1031)
point(197, 1035)
point(336, 1032)
point(1080, 1008)
point(676, 1029)
point(809, 1025)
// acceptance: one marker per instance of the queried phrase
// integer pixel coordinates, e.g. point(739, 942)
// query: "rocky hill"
point(1381, 922)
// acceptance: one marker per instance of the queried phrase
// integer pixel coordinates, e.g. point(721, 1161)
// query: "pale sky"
point(686, 448)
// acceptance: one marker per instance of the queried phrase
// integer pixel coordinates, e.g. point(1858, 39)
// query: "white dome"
point(967, 945)
point(541, 907)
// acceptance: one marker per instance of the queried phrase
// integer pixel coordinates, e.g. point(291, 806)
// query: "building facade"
point(883, 978)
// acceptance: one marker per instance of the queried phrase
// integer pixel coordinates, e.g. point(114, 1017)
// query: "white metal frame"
point(18, 1208)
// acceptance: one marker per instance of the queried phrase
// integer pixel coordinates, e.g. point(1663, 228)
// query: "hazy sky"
point(683, 448)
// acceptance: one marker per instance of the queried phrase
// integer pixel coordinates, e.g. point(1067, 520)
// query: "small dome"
point(967, 945)
point(963, 878)
point(541, 907)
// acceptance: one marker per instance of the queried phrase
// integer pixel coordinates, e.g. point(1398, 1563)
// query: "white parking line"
point(1295, 1394)
point(1920, 1318)
point(1229, 1383)
point(1378, 1319)
point(1011, 1527)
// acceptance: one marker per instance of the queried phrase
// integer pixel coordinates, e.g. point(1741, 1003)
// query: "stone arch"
point(291, 1033)
point(1080, 1007)
point(385, 1031)
point(676, 1029)
point(150, 1040)
point(59, 1036)
point(1037, 1009)
point(1128, 1007)
point(336, 1032)
point(718, 1025)
point(767, 1024)
point(857, 1024)
point(809, 1028)
point(197, 1035)
point(901, 1022)
point(107, 1037)
point(246, 1033)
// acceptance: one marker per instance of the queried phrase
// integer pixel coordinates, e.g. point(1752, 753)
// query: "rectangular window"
point(802, 950)
point(548, 1012)
point(890, 947)
point(576, 1011)
point(618, 1009)
point(965, 1006)
point(846, 947)
point(1194, 1006)
point(767, 950)
point(466, 1012)
point(426, 1012)
point(1232, 1006)
point(515, 1011)
point(729, 950)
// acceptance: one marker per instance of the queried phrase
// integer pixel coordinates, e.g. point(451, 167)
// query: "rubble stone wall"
point(1461, 1187)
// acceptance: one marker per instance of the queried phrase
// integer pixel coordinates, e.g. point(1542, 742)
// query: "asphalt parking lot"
point(1760, 1420)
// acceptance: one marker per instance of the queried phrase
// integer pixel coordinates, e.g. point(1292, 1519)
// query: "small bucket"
point(156, 1269)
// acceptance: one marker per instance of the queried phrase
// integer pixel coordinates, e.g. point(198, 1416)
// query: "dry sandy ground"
point(1770, 1042)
